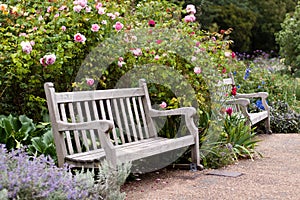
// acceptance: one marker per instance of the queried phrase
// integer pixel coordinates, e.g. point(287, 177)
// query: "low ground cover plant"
point(31, 177)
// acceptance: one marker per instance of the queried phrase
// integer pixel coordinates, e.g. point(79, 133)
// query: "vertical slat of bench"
point(89, 118)
point(96, 116)
point(147, 106)
point(76, 133)
point(83, 132)
point(110, 116)
point(137, 118)
point(125, 119)
point(143, 117)
point(64, 118)
point(119, 122)
point(129, 108)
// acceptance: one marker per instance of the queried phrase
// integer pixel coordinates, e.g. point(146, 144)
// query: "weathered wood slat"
point(65, 97)
point(67, 133)
point(131, 120)
point(83, 132)
point(119, 122)
point(137, 118)
point(111, 118)
point(89, 118)
point(76, 133)
point(125, 120)
point(143, 117)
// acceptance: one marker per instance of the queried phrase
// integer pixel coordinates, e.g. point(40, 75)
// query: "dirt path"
point(275, 176)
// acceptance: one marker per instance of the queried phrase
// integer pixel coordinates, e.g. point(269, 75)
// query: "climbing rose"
point(190, 9)
point(151, 23)
point(50, 59)
point(95, 27)
point(90, 81)
point(163, 104)
point(190, 18)
point(101, 11)
point(118, 26)
point(26, 47)
point(79, 37)
point(233, 90)
point(197, 70)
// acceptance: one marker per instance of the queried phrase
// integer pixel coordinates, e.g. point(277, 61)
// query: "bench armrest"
point(262, 95)
point(188, 112)
point(103, 126)
point(242, 102)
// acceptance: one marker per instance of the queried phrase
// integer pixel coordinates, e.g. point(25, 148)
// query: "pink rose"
point(90, 81)
point(35, 28)
point(137, 52)
point(79, 37)
point(104, 22)
point(190, 9)
point(233, 55)
point(56, 15)
point(112, 16)
point(118, 26)
point(88, 9)
point(63, 28)
point(227, 54)
point(156, 57)
point(26, 47)
point(189, 18)
point(151, 23)
point(77, 8)
point(163, 104)
point(98, 6)
point(82, 3)
point(50, 59)
point(62, 8)
point(101, 11)
point(121, 63)
point(121, 59)
point(95, 27)
point(197, 70)
point(49, 9)
point(42, 61)
point(32, 43)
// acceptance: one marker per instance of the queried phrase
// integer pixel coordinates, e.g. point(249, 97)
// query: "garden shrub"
point(288, 40)
point(30, 177)
point(236, 141)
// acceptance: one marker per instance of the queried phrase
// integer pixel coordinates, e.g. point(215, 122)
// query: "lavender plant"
point(30, 177)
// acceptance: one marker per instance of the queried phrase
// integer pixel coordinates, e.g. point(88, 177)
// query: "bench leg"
point(196, 157)
point(267, 125)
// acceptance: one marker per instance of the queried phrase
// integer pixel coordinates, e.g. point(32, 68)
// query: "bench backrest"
point(127, 108)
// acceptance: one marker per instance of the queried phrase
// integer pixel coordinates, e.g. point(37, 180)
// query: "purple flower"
point(26, 47)
point(50, 59)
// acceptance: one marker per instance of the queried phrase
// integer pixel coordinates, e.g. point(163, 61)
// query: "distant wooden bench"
point(240, 102)
point(116, 124)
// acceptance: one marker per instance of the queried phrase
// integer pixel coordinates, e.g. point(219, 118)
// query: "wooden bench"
point(116, 124)
point(240, 102)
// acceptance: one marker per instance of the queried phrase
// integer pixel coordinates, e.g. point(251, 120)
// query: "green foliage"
point(288, 40)
point(15, 131)
point(284, 119)
point(236, 141)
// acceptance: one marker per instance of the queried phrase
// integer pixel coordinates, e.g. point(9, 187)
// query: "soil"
point(274, 176)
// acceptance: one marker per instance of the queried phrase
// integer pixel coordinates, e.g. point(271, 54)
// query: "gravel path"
point(275, 176)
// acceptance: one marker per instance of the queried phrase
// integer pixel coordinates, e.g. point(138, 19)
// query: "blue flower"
point(263, 82)
point(259, 105)
point(247, 73)
point(234, 73)
point(259, 87)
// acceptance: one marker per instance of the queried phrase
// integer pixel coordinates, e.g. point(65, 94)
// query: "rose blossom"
point(227, 54)
point(77, 8)
point(99, 5)
point(151, 23)
point(163, 104)
point(26, 47)
point(95, 27)
point(104, 22)
point(121, 63)
point(90, 81)
point(156, 57)
point(82, 3)
point(197, 70)
point(63, 28)
point(101, 11)
point(112, 16)
point(137, 52)
point(118, 26)
point(191, 9)
point(50, 59)
point(88, 9)
point(79, 37)
point(190, 18)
